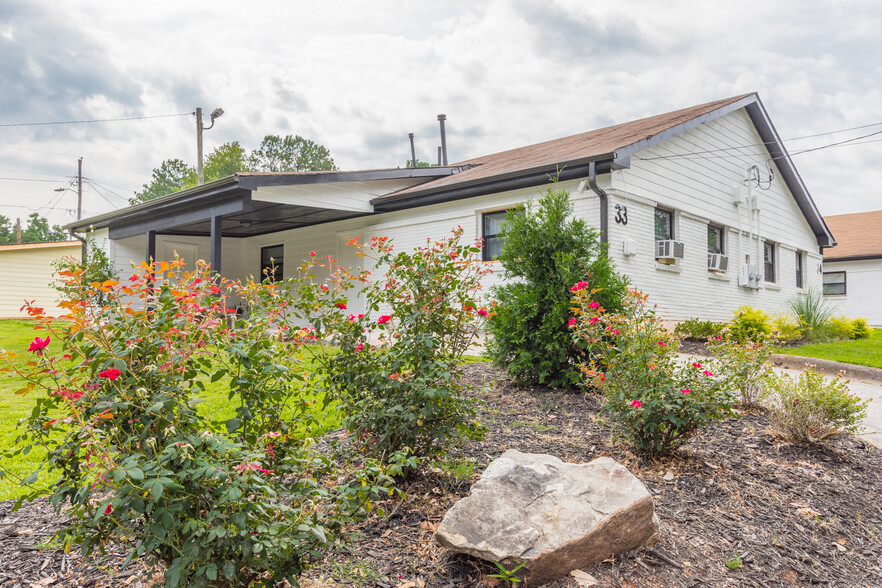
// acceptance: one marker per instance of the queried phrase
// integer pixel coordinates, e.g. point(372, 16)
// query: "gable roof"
point(858, 236)
point(597, 145)
point(607, 149)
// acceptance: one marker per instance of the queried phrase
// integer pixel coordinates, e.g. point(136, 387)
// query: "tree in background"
point(545, 252)
point(275, 154)
point(288, 154)
point(37, 230)
point(419, 163)
point(226, 160)
point(172, 175)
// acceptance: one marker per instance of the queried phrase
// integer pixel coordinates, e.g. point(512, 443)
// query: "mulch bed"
point(779, 514)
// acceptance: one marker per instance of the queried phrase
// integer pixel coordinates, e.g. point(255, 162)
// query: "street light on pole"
point(215, 114)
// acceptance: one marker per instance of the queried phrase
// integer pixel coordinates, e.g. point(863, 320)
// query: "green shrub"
point(785, 329)
point(814, 313)
point(860, 328)
point(840, 327)
point(655, 402)
point(745, 365)
point(405, 389)
point(141, 467)
point(810, 407)
point(545, 251)
point(698, 330)
point(749, 324)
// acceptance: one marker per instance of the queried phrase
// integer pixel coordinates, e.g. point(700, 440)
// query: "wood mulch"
point(777, 514)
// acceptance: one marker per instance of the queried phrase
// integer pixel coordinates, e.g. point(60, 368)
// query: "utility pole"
point(18, 231)
point(200, 176)
point(80, 189)
point(217, 112)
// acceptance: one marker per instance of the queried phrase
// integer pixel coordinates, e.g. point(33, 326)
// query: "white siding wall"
point(700, 189)
point(27, 275)
point(863, 289)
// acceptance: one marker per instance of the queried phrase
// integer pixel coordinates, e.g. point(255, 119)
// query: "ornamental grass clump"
point(116, 388)
point(398, 371)
point(810, 407)
point(654, 401)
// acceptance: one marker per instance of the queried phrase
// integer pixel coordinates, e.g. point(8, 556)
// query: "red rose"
point(38, 345)
point(110, 373)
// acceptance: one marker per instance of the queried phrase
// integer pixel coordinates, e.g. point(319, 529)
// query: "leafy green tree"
point(172, 175)
point(545, 252)
point(282, 154)
point(37, 230)
point(7, 231)
point(275, 154)
point(226, 160)
point(419, 163)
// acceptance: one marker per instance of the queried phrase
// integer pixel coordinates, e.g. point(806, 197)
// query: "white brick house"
point(713, 183)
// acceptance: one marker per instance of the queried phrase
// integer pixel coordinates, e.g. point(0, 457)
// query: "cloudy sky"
point(358, 76)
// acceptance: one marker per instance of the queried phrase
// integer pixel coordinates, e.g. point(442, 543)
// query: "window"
point(834, 283)
point(714, 239)
point(799, 269)
point(491, 226)
point(664, 224)
point(769, 261)
point(271, 259)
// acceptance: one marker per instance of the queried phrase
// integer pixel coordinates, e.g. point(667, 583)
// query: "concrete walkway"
point(865, 382)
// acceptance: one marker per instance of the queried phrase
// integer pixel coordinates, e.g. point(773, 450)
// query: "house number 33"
point(621, 214)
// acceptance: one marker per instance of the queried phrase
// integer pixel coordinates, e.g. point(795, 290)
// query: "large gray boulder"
point(556, 516)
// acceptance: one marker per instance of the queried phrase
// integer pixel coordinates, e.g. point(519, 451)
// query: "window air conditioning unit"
point(668, 251)
point(717, 262)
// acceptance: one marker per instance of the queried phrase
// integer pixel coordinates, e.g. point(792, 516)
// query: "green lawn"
point(15, 336)
point(859, 351)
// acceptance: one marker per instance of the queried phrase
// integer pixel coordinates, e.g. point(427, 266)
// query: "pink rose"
point(384, 319)
point(636, 404)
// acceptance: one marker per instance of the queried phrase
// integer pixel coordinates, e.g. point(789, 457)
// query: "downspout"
point(82, 240)
point(604, 203)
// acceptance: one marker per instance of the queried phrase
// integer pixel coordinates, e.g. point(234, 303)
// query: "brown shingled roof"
point(559, 152)
point(858, 236)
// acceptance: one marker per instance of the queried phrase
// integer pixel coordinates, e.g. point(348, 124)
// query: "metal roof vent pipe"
point(441, 119)
point(413, 162)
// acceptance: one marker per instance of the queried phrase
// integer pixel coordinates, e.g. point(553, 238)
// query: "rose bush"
point(397, 372)
point(139, 465)
point(655, 402)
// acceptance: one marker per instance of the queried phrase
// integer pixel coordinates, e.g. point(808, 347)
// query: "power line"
point(716, 153)
point(96, 120)
point(29, 180)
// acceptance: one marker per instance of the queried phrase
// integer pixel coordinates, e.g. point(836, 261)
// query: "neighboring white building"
point(28, 273)
point(701, 207)
point(853, 269)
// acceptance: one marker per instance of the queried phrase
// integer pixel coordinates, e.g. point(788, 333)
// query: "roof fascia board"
point(249, 182)
point(189, 198)
point(760, 118)
point(520, 179)
point(496, 185)
point(275, 195)
point(853, 258)
point(139, 226)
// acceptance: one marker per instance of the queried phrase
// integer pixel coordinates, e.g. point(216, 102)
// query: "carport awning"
point(250, 204)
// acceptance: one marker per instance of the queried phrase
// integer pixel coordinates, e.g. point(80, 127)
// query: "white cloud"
point(357, 77)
